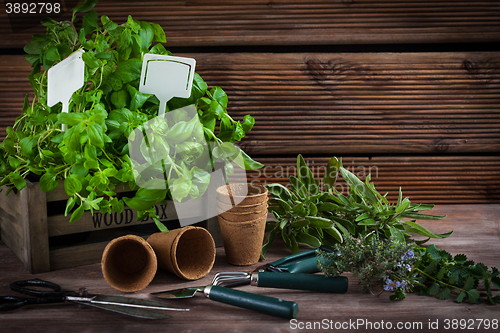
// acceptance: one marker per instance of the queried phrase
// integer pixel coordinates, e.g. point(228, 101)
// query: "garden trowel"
point(166, 77)
point(64, 79)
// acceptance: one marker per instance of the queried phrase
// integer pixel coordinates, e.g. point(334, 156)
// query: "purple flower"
point(389, 285)
point(408, 255)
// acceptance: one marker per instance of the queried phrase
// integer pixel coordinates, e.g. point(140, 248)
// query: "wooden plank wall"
point(427, 121)
point(302, 22)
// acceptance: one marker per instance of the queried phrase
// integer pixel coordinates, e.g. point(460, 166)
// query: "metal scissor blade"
point(135, 303)
point(136, 312)
point(127, 305)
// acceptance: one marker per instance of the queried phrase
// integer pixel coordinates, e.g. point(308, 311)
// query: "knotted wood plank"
point(362, 103)
point(341, 103)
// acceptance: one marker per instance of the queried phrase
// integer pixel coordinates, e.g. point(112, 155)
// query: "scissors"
point(126, 305)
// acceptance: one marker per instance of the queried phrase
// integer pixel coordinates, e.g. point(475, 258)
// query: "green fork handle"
point(260, 303)
point(301, 281)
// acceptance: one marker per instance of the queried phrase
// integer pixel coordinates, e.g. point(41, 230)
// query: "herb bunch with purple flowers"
point(385, 264)
point(391, 265)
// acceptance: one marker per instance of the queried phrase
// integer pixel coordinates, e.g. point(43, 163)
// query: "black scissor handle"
point(20, 287)
point(11, 302)
point(41, 297)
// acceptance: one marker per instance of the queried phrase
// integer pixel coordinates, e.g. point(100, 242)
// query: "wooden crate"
point(34, 227)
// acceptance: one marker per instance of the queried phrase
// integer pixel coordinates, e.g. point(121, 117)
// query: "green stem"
point(452, 287)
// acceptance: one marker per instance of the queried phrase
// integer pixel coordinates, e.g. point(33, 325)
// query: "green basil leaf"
point(226, 150)
point(148, 194)
point(77, 214)
point(248, 122)
point(84, 7)
point(129, 70)
point(51, 55)
point(219, 95)
point(137, 99)
point(69, 205)
point(147, 35)
point(90, 22)
point(16, 179)
point(138, 204)
point(181, 131)
point(90, 60)
point(238, 132)
point(200, 178)
point(96, 135)
point(27, 144)
point(70, 118)
point(48, 182)
point(180, 188)
point(248, 162)
point(107, 24)
point(9, 146)
point(72, 186)
point(159, 34)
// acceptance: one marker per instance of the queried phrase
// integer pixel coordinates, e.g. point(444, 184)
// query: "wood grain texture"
point(436, 104)
point(424, 179)
point(297, 22)
point(364, 103)
point(347, 103)
point(34, 220)
point(476, 229)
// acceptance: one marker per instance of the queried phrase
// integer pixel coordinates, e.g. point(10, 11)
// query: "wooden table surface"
point(476, 234)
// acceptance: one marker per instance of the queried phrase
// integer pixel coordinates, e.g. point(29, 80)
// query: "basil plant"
point(90, 158)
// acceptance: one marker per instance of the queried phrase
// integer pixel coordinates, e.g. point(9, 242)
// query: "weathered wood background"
point(407, 90)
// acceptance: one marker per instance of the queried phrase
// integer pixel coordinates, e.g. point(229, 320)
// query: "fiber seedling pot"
point(255, 194)
point(243, 240)
point(235, 216)
point(188, 252)
point(221, 206)
point(128, 263)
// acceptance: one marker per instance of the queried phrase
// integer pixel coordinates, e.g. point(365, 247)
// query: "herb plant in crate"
point(91, 156)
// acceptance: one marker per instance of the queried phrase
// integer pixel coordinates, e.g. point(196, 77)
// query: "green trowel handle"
point(337, 284)
point(303, 262)
point(309, 265)
point(270, 305)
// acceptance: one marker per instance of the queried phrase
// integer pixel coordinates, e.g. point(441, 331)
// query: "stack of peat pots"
point(242, 210)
